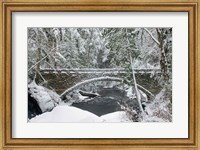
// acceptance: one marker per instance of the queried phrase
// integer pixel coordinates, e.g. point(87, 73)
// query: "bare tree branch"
point(43, 58)
point(151, 35)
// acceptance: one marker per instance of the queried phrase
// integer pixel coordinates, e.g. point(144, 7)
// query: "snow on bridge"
point(99, 71)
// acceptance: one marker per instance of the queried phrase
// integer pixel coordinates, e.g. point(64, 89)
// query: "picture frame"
point(10, 6)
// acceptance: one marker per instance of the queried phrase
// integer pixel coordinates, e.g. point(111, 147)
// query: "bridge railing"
point(98, 70)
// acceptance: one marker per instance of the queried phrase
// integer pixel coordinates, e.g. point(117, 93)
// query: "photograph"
point(99, 74)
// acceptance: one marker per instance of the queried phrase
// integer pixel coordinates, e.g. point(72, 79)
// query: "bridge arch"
point(107, 78)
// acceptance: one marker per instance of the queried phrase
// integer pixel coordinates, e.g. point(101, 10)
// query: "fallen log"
point(88, 94)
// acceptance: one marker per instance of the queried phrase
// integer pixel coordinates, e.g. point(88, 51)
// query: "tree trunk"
point(37, 70)
point(163, 59)
point(135, 85)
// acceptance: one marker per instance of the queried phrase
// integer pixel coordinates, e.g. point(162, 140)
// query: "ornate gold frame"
point(9, 6)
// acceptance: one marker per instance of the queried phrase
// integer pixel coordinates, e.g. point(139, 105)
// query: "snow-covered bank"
point(46, 99)
point(160, 110)
point(64, 113)
point(119, 116)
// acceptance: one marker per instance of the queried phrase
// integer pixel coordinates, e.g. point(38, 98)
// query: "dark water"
point(110, 100)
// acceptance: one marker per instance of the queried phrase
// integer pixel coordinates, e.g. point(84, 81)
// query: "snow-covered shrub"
point(131, 113)
point(46, 99)
point(131, 106)
point(160, 110)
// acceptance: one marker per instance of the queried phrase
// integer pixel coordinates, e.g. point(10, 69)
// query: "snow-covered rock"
point(46, 99)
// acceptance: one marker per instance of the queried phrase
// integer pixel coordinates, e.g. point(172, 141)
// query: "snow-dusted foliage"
point(95, 47)
point(160, 110)
point(46, 99)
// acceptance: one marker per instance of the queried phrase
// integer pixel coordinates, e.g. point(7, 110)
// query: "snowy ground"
point(64, 113)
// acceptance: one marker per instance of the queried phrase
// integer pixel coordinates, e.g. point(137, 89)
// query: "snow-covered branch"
point(37, 63)
point(61, 56)
point(151, 35)
point(42, 58)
